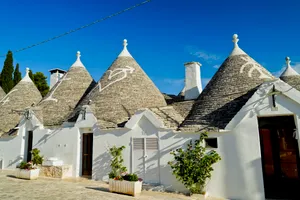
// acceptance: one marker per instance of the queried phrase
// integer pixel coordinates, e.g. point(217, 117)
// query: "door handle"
point(145, 156)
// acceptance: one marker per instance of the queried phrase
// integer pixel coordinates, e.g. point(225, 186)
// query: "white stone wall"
point(168, 141)
point(13, 150)
point(62, 143)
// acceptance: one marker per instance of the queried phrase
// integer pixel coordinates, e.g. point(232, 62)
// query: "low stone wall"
point(64, 171)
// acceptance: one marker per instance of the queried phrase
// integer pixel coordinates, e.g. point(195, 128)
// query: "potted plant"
point(29, 170)
point(119, 180)
point(193, 165)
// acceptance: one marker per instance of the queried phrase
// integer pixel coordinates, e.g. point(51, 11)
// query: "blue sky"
point(162, 35)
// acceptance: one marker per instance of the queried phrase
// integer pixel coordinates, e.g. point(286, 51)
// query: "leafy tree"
point(17, 75)
point(40, 80)
point(7, 73)
point(193, 166)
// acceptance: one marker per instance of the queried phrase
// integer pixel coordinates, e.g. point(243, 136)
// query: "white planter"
point(125, 187)
point(27, 174)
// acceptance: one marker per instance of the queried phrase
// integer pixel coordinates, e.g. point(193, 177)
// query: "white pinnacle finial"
point(288, 61)
point(289, 71)
point(235, 39)
point(78, 63)
point(236, 49)
point(125, 52)
point(26, 77)
point(125, 43)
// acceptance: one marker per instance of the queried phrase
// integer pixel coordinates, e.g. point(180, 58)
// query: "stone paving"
point(71, 189)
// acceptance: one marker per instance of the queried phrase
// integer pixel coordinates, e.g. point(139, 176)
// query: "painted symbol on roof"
point(123, 72)
point(50, 97)
point(254, 66)
point(5, 99)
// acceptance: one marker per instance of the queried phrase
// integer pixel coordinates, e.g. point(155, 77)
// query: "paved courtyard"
point(52, 189)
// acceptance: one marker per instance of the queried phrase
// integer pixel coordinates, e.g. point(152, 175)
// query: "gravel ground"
point(68, 189)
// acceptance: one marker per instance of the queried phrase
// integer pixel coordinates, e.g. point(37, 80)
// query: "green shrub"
point(36, 158)
point(193, 166)
point(130, 177)
point(118, 171)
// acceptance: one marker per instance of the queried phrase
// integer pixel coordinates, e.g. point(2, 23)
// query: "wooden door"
point(87, 154)
point(280, 157)
point(29, 145)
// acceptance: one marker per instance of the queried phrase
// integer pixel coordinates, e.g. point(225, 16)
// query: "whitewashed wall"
point(168, 141)
point(13, 150)
point(62, 143)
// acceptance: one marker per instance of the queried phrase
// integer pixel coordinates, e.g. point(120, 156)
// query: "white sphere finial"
point(288, 61)
point(125, 43)
point(78, 54)
point(27, 70)
point(235, 39)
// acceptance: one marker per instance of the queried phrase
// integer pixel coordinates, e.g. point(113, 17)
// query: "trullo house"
point(252, 119)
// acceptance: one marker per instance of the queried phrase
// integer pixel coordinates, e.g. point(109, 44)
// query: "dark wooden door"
point(280, 157)
point(29, 145)
point(87, 154)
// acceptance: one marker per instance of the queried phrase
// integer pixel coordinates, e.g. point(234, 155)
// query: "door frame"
point(82, 153)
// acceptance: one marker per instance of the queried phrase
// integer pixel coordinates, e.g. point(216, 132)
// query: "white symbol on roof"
point(112, 73)
point(5, 99)
point(254, 66)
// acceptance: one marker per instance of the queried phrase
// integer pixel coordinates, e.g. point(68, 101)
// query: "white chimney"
point(193, 86)
point(55, 75)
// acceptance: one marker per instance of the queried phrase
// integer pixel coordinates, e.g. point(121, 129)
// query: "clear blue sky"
point(162, 35)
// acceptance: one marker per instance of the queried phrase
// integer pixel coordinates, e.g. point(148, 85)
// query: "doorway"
point(29, 145)
point(87, 154)
point(280, 157)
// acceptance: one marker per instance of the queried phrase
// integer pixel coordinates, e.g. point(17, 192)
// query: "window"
point(211, 143)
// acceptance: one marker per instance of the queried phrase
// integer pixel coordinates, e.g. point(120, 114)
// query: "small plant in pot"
point(119, 180)
point(29, 170)
point(193, 165)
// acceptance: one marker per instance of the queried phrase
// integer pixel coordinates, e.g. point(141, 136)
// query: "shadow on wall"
point(101, 167)
point(16, 161)
point(47, 136)
point(234, 180)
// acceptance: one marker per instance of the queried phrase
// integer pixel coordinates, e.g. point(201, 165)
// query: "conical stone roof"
point(12, 106)
point(2, 93)
point(123, 89)
point(229, 89)
point(290, 76)
point(61, 100)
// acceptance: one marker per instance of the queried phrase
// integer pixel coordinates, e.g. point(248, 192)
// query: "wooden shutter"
point(151, 143)
point(138, 143)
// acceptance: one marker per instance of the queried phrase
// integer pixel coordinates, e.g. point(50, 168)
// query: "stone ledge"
point(64, 171)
